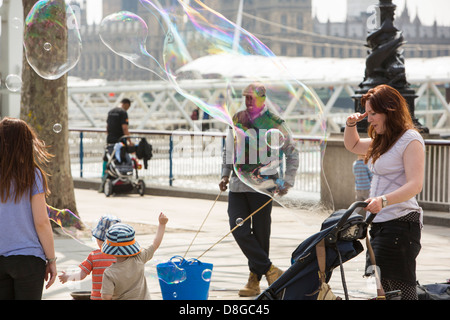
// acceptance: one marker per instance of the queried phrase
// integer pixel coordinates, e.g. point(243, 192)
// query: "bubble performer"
point(254, 159)
point(27, 250)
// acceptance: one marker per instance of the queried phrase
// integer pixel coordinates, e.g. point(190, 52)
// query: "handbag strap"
point(381, 295)
point(321, 258)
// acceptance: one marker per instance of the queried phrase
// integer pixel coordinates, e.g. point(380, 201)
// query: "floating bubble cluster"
point(265, 150)
point(52, 39)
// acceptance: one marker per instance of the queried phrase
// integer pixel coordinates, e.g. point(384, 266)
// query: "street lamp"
point(385, 63)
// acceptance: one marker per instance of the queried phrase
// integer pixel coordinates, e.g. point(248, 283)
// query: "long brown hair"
point(387, 100)
point(21, 153)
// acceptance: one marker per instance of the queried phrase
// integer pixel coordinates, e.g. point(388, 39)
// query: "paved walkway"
point(230, 271)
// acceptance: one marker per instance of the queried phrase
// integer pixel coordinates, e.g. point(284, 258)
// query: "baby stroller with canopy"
point(315, 258)
point(121, 173)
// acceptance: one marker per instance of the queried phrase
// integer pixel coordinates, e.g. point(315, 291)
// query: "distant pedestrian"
point(363, 178)
point(27, 250)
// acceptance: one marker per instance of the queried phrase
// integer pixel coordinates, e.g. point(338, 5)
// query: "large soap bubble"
point(52, 39)
point(131, 42)
point(202, 46)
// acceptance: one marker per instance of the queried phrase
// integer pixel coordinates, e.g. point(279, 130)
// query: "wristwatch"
point(51, 260)
point(384, 202)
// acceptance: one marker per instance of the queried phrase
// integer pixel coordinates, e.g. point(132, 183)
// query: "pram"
point(315, 258)
point(121, 172)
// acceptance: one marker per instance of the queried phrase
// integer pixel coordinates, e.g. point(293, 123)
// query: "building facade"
point(287, 27)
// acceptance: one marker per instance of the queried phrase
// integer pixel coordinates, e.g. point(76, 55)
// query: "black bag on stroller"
point(315, 258)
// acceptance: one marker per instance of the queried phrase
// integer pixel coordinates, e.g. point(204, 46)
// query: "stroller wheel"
point(108, 187)
point(141, 187)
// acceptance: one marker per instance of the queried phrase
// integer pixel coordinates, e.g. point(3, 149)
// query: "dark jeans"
point(396, 245)
point(21, 278)
point(253, 237)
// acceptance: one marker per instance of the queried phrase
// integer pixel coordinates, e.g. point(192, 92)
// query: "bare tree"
point(44, 105)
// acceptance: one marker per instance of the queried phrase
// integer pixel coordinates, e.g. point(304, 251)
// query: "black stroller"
point(121, 173)
point(315, 258)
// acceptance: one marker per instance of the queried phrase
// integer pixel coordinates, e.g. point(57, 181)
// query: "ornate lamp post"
point(385, 63)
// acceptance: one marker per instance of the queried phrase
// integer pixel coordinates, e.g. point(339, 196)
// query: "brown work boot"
point(273, 274)
point(251, 288)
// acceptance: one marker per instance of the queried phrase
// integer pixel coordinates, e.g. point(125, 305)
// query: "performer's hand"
point(282, 190)
point(223, 183)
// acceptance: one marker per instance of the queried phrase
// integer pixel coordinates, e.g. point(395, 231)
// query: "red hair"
point(387, 100)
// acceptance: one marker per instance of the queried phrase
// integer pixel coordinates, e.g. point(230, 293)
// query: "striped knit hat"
point(103, 225)
point(120, 241)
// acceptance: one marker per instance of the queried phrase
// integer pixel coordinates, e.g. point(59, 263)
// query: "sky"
point(429, 10)
point(336, 10)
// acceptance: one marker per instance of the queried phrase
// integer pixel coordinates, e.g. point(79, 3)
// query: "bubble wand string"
point(201, 226)
point(237, 226)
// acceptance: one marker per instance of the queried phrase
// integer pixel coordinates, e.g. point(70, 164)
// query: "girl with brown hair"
point(394, 151)
point(27, 253)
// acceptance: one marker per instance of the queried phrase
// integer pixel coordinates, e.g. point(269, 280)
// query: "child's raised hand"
point(162, 218)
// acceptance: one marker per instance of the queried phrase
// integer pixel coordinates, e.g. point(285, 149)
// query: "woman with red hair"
point(395, 153)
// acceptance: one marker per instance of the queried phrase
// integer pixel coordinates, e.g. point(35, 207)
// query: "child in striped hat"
point(97, 261)
point(125, 280)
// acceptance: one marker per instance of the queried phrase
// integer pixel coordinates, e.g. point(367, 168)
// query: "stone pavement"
point(230, 272)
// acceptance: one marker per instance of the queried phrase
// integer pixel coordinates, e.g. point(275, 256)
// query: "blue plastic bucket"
point(182, 279)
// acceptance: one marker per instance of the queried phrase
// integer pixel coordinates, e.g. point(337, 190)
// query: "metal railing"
point(193, 160)
point(184, 159)
point(436, 192)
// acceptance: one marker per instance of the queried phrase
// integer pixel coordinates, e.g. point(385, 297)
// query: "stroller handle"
point(359, 204)
point(332, 237)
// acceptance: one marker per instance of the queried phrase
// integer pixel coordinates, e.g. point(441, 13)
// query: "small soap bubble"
point(47, 46)
point(57, 128)
point(239, 222)
point(17, 23)
point(206, 275)
point(175, 295)
point(13, 82)
point(274, 139)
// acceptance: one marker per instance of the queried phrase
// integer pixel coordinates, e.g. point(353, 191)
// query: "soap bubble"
point(16, 23)
point(171, 273)
point(131, 44)
point(13, 82)
point(52, 48)
point(47, 46)
point(206, 275)
point(201, 45)
point(69, 222)
point(239, 222)
point(57, 128)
